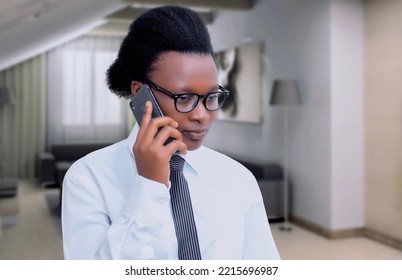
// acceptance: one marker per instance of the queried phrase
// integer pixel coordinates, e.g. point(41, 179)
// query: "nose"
point(200, 113)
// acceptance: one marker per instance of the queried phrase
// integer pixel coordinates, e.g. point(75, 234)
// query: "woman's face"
point(186, 73)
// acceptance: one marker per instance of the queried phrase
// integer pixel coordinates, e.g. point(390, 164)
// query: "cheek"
point(170, 111)
point(213, 115)
point(167, 107)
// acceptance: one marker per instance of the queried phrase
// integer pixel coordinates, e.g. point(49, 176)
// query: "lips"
point(195, 134)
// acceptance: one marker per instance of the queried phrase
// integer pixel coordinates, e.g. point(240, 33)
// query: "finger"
point(175, 146)
point(156, 123)
point(163, 121)
point(165, 133)
point(182, 148)
point(146, 118)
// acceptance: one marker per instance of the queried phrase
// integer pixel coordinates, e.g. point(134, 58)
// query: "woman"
point(118, 201)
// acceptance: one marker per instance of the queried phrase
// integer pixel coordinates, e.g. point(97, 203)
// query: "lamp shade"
point(285, 92)
point(6, 96)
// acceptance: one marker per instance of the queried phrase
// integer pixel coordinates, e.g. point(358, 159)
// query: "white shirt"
point(111, 212)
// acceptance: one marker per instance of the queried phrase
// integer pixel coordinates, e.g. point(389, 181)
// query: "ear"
point(135, 87)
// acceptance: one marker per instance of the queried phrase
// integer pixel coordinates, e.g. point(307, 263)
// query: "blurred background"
point(328, 159)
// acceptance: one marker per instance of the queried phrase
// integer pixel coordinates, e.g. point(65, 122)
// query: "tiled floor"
point(31, 233)
point(302, 244)
point(34, 234)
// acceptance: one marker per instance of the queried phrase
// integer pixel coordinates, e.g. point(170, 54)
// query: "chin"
point(193, 145)
point(193, 148)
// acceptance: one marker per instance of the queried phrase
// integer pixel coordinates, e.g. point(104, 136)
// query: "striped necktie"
point(183, 217)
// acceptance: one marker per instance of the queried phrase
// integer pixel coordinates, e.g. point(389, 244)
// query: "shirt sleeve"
point(258, 240)
point(88, 232)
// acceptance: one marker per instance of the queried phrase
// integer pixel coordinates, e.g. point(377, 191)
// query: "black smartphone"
point(137, 106)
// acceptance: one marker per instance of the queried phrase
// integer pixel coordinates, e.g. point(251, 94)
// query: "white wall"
point(383, 117)
point(297, 37)
point(347, 114)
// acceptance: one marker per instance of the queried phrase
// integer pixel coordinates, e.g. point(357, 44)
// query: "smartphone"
point(137, 106)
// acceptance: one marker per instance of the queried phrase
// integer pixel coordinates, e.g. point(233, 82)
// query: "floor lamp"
point(285, 93)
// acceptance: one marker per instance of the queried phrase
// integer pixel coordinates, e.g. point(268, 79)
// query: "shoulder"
point(100, 160)
point(226, 175)
point(218, 156)
point(218, 161)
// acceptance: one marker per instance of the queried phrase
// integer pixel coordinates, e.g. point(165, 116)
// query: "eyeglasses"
point(186, 102)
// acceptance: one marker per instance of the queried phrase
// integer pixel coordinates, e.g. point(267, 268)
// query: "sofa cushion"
point(8, 187)
point(61, 169)
point(262, 170)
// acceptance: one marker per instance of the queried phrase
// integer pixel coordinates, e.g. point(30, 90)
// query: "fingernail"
point(147, 104)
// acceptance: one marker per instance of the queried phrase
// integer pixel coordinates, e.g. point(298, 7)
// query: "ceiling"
point(30, 27)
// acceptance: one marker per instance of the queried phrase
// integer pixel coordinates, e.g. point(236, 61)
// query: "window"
point(80, 106)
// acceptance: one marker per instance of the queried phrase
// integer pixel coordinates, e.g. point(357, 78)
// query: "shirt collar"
point(191, 158)
point(132, 137)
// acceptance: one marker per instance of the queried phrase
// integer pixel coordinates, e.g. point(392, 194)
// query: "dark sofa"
point(270, 178)
point(53, 165)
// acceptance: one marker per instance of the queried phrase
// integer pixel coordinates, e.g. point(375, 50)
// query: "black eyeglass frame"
point(204, 97)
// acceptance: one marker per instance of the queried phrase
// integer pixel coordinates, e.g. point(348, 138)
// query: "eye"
point(185, 99)
point(212, 98)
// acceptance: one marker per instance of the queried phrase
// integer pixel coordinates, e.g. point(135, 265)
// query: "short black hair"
point(159, 30)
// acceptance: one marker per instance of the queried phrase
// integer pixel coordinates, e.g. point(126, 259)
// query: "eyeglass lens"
point(212, 101)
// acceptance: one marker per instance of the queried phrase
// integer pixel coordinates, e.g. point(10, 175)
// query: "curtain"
point(79, 105)
point(22, 124)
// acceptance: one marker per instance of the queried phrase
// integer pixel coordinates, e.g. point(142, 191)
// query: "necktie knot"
point(176, 163)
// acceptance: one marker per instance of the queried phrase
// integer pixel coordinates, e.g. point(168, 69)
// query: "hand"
point(151, 156)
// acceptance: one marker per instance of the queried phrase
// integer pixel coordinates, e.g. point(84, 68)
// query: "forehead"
point(182, 71)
